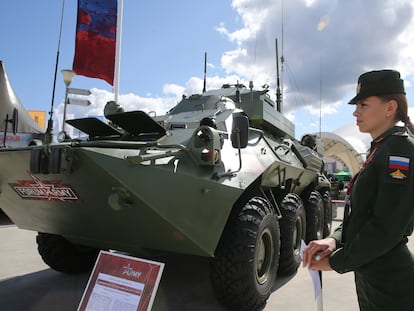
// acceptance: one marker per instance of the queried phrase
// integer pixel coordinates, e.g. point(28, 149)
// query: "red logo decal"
point(50, 190)
point(13, 138)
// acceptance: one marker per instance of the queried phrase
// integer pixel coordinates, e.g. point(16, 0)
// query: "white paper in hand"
point(314, 274)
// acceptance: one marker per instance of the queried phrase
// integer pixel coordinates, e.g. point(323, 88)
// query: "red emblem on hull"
point(48, 190)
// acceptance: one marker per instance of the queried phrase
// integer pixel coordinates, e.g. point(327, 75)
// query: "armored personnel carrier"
point(220, 175)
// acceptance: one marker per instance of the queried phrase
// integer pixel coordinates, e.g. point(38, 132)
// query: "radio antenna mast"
point(278, 93)
point(49, 130)
point(205, 72)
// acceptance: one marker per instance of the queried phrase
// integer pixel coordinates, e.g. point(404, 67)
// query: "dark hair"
point(402, 111)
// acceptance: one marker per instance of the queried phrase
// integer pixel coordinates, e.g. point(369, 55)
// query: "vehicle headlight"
point(62, 136)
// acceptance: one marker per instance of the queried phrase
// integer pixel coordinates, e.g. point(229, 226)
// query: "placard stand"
point(120, 282)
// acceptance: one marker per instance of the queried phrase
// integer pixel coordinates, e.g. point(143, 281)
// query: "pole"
point(64, 108)
point(49, 130)
point(118, 50)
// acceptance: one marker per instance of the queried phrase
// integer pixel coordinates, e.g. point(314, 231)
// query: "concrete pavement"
point(26, 283)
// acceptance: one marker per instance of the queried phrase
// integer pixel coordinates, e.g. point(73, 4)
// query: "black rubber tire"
point(61, 255)
point(327, 213)
point(314, 217)
point(245, 265)
point(292, 231)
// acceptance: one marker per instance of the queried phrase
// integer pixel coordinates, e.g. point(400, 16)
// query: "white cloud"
point(357, 36)
point(323, 109)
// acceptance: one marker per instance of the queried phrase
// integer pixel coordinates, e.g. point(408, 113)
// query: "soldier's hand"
point(321, 264)
point(318, 250)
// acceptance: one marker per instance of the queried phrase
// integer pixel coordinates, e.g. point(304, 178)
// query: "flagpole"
point(118, 51)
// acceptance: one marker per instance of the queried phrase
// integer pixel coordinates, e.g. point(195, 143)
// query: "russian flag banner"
point(397, 162)
point(96, 39)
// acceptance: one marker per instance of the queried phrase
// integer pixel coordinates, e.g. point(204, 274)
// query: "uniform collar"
point(395, 130)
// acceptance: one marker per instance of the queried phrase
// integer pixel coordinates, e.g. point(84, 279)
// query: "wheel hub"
point(265, 254)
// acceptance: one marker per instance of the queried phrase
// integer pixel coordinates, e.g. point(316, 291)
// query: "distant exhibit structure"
point(347, 145)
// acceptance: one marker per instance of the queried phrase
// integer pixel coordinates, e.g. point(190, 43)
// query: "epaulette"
point(401, 134)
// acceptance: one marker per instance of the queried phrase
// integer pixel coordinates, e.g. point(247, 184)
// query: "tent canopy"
point(347, 145)
point(9, 102)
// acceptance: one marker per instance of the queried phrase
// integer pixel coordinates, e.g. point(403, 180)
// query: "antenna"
point(49, 130)
point(320, 100)
point(205, 71)
point(279, 99)
point(278, 93)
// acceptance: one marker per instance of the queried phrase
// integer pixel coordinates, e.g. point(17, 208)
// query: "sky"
point(325, 44)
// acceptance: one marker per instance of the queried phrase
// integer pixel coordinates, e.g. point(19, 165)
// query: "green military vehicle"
point(220, 175)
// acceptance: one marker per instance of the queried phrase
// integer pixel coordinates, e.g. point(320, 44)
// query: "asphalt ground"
point(26, 283)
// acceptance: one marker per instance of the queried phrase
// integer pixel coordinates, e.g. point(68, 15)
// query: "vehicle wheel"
point(327, 213)
point(314, 217)
point(292, 231)
point(246, 260)
point(61, 255)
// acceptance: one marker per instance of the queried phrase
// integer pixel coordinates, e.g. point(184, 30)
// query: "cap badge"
point(358, 89)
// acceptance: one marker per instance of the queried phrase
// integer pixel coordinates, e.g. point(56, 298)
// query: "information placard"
point(120, 282)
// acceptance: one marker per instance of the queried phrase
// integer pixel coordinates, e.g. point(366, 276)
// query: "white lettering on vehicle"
point(37, 189)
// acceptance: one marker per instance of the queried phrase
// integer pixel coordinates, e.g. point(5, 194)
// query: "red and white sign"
point(120, 282)
point(50, 190)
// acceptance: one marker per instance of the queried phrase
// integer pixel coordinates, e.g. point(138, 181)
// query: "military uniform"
point(372, 240)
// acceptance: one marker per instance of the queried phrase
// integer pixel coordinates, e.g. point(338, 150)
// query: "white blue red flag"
point(96, 39)
point(398, 168)
point(398, 162)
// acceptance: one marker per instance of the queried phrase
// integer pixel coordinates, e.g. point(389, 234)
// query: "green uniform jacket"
point(372, 240)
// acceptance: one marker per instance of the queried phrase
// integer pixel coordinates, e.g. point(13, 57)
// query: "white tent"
point(9, 102)
point(17, 128)
point(347, 145)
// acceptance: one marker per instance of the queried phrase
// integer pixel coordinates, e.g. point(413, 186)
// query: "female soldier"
point(379, 211)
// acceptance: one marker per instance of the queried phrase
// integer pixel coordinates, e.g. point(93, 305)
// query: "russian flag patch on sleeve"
point(398, 168)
